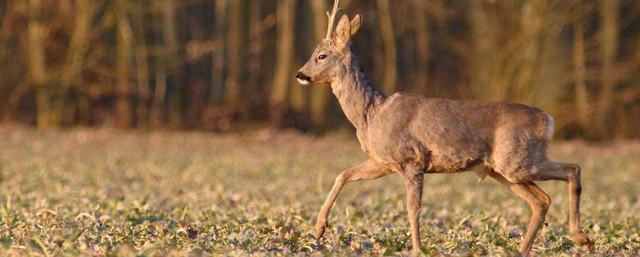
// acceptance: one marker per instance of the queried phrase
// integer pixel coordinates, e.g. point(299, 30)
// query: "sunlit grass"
point(88, 192)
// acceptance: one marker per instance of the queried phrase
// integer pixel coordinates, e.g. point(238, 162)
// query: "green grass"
point(87, 192)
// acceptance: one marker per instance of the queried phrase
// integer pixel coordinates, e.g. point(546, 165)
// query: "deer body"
point(411, 135)
point(442, 135)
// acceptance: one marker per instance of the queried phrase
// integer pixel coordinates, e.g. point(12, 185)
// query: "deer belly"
point(396, 154)
point(452, 164)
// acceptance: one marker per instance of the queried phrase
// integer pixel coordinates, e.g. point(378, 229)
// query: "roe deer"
point(413, 135)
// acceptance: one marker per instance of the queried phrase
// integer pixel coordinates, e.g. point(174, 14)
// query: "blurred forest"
point(223, 65)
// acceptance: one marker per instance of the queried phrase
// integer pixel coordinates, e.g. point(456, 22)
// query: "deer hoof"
point(319, 231)
point(416, 253)
point(320, 227)
point(582, 240)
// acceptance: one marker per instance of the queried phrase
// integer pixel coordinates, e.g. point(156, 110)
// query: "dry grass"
point(87, 192)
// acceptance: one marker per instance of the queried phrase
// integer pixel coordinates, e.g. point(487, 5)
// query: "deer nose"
point(301, 76)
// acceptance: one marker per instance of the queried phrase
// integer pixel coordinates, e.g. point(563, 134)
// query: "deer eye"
point(322, 57)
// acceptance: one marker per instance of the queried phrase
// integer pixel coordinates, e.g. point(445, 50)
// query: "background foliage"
point(221, 64)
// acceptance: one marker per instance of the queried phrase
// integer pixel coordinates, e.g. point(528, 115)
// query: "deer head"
point(326, 62)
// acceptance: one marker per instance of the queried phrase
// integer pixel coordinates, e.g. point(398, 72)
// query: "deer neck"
point(357, 96)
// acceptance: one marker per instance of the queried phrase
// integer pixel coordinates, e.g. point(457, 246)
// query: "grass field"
point(88, 192)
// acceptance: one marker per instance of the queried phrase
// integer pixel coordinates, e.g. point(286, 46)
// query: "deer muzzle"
point(302, 78)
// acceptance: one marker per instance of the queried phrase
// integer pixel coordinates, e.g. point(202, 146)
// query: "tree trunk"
point(159, 94)
point(484, 83)
point(580, 71)
point(284, 52)
point(37, 65)
point(142, 68)
point(3, 10)
point(256, 47)
point(3, 40)
point(6, 110)
point(422, 46)
point(124, 111)
point(390, 48)
point(218, 56)
point(319, 93)
point(157, 111)
point(531, 31)
point(236, 51)
point(609, 46)
point(75, 60)
point(171, 57)
point(79, 43)
point(299, 98)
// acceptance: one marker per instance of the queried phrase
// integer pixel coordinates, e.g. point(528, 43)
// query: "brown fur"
point(412, 135)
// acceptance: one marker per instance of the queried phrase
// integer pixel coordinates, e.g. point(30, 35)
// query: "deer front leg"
point(366, 171)
point(413, 185)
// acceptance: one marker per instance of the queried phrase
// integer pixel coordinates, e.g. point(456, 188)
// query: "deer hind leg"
point(366, 171)
point(539, 203)
point(569, 173)
point(413, 182)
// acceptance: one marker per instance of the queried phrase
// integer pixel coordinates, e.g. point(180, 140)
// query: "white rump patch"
point(551, 126)
point(303, 82)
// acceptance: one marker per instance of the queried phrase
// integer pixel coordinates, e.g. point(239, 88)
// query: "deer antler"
point(332, 18)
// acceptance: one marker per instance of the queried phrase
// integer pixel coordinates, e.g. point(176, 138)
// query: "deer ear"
point(356, 22)
point(343, 33)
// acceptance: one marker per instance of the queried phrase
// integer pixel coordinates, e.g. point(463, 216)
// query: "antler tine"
point(332, 18)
